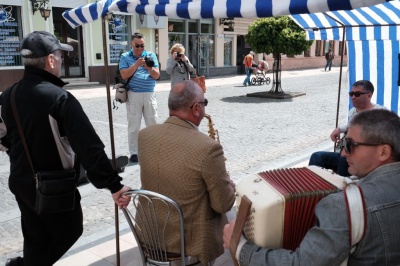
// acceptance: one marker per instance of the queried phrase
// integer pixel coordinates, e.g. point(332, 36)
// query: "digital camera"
point(178, 54)
point(149, 61)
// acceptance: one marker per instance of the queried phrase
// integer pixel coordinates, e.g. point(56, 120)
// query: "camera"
point(178, 54)
point(149, 61)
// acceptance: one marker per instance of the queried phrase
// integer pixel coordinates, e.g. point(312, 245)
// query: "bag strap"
point(356, 212)
point(187, 70)
point(21, 133)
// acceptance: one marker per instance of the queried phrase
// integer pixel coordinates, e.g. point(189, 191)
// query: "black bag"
point(55, 191)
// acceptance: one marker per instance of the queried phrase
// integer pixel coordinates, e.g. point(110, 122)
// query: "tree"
point(277, 35)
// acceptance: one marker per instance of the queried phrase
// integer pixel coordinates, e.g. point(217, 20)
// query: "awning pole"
point(340, 72)
point(110, 121)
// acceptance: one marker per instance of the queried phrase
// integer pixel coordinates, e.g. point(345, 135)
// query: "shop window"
point(10, 35)
point(207, 25)
point(228, 41)
point(175, 25)
point(119, 36)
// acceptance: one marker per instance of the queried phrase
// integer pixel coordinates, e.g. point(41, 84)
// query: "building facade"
point(214, 46)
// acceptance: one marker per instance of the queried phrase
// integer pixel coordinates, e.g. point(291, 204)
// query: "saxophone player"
point(179, 161)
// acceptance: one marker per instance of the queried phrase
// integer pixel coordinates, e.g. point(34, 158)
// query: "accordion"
point(283, 203)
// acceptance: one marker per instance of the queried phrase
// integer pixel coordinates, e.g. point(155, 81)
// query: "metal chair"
point(148, 219)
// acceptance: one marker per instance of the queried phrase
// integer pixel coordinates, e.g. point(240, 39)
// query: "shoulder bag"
point(55, 190)
point(200, 80)
point(121, 91)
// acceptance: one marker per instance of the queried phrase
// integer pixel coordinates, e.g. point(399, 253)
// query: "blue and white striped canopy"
point(361, 24)
point(372, 36)
point(196, 9)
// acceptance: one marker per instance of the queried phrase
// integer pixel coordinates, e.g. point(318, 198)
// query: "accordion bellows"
point(283, 203)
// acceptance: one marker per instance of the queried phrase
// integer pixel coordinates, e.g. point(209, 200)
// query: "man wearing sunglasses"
point(360, 96)
point(142, 66)
point(179, 161)
point(372, 149)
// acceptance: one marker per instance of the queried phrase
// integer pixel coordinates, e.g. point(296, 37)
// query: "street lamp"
point(42, 6)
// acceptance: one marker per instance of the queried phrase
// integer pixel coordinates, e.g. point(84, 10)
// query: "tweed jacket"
point(186, 165)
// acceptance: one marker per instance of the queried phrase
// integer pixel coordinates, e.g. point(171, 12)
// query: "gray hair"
point(39, 62)
point(366, 84)
point(183, 99)
point(379, 126)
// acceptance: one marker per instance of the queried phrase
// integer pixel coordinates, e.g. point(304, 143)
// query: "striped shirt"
point(141, 80)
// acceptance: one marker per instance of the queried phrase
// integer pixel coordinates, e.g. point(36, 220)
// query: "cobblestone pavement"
point(257, 134)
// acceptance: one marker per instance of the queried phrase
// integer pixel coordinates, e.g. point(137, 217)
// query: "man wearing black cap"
point(39, 97)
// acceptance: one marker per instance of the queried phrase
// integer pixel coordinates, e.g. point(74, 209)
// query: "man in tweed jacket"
point(179, 161)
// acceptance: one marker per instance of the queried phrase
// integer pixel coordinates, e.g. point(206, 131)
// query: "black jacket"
point(39, 95)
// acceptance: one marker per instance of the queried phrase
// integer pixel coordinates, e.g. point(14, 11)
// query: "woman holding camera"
point(178, 65)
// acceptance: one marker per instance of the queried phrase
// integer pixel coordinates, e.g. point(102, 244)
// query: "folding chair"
point(148, 216)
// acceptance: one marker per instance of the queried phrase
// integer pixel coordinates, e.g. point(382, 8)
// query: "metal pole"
point(110, 121)
point(340, 72)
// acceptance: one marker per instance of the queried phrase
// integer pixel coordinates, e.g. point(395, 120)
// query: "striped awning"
point(367, 23)
point(196, 9)
point(372, 37)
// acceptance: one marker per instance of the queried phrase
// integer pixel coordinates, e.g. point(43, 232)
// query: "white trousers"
point(139, 104)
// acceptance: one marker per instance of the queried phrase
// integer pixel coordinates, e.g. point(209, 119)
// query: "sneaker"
point(15, 261)
point(134, 158)
point(244, 84)
point(120, 163)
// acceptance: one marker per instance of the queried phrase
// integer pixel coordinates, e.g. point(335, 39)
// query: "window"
point(119, 37)
point(10, 36)
point(228, 40)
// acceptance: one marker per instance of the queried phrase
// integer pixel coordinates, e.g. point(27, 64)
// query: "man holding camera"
point(142, 66)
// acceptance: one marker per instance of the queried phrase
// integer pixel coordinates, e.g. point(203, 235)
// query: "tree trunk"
point(276, 85)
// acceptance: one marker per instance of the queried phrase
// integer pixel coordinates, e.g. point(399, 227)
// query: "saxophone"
point(213, 133)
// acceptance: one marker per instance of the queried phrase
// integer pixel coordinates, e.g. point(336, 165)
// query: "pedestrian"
point(39, 98)
point(248, 62)
point(178, 65)
point(193, 174)
point(142, 66)
point(329, 58)
point(372, 149)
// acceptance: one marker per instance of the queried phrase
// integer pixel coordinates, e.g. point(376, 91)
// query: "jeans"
point(249, 70)
point(330, 160)
point(328, 63)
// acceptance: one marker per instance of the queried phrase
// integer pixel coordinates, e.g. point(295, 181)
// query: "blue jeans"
point(330, 160)
point(249, 70)
point(328, 63)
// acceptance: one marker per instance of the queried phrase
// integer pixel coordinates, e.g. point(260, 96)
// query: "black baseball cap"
point(42, 43)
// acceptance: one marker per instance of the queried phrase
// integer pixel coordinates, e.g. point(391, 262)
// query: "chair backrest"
point(149, 217)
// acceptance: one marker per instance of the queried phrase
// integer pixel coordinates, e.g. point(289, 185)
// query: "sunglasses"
point(205, 103)
point(139, 45)
point(357, 93)
point(348, 145)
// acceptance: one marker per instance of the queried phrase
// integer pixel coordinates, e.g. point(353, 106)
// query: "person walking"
point(142, 66)
point(329, 58)
point(248, 66)
point(178, 65)
point(39, 98)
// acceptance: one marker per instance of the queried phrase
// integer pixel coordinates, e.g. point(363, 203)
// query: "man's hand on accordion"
point(227, 237)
